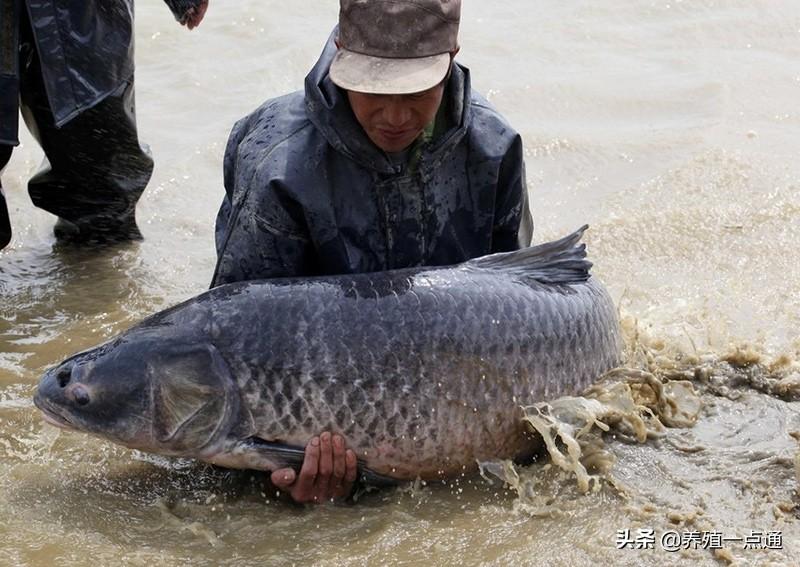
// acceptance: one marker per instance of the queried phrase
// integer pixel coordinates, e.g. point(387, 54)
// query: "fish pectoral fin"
point(371, 478)
point(271, 456)
point(291, 456)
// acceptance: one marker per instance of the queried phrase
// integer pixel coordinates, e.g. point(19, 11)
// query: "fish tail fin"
point(561, 261)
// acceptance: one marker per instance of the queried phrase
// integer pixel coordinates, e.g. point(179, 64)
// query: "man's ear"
point(452, 59)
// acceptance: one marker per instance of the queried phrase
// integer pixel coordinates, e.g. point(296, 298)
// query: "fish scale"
point(557, 337)
point(423, 370)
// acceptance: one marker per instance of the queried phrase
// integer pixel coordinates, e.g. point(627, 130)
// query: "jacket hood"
point(329, 110)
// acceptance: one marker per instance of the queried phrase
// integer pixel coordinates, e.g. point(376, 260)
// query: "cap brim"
point(377, 75)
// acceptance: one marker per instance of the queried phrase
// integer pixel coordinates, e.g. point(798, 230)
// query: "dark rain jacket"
point(85, 48)
point(307, 192)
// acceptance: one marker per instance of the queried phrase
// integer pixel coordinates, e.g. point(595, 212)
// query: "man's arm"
point(188, 12)
point(258, 238)
point(513, 223)
point(252, 245)
point(260, 230)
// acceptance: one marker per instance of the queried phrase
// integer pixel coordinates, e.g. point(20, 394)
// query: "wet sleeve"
point(229, 175)
point(181, 7)
point(513, 223)
point(260, 232)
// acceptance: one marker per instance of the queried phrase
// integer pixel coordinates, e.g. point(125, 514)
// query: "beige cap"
point(395, 46)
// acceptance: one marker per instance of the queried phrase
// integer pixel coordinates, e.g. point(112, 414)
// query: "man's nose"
point(397, 112)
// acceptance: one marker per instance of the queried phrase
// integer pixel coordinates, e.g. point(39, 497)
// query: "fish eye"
point(81, 395)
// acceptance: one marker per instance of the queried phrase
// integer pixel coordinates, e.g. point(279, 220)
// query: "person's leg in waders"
point(5, 222)
point(9, 102)
point(95, 169)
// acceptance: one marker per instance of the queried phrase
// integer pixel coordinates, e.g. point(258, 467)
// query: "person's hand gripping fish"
point(328, 472)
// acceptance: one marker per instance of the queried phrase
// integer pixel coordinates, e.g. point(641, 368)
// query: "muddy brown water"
point(671, 127)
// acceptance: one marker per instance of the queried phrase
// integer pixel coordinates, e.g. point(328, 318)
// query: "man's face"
point(393, 122)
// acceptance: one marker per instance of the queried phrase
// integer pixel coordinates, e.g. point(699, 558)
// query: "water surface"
point(671, 127)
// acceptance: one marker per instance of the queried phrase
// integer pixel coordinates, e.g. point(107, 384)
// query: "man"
point(387, 160)
point(68, 65)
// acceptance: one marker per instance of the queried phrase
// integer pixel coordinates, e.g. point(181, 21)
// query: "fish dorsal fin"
point(558, 262)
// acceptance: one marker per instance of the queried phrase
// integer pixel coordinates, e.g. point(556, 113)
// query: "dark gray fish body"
point(422, 370)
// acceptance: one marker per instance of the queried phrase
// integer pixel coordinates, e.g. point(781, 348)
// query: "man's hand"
point(328, 472)
point(195, 15)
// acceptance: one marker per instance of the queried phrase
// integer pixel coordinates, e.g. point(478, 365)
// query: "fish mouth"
point(51, 415)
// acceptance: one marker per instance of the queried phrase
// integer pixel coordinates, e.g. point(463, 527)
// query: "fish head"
point(145, 391)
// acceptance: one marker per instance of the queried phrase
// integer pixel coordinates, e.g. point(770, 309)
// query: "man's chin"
point(393, 145)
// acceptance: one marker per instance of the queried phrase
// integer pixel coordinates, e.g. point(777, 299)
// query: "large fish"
point(424, 370)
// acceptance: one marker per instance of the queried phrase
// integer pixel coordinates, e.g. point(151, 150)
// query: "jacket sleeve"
point(260, 231)
point(181, 7)
point(513, 223)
